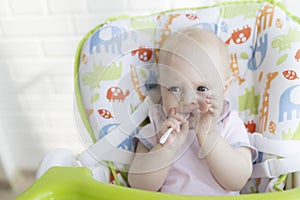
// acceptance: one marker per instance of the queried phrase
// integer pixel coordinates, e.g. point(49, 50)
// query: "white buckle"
point(268, 169)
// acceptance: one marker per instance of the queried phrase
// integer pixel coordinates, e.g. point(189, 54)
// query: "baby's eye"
point(202, 89)
point(174, 89)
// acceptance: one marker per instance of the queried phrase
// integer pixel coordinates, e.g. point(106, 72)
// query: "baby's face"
point(185, 87)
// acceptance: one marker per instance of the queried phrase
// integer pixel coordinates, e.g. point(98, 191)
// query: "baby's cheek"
point(167, 108)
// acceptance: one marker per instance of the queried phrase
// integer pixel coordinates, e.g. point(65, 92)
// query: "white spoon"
point(165, 136)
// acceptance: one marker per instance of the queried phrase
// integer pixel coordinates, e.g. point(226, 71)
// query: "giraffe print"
point(264, 111)
point(266, 13)
point(165, 32)
point(135, 82)
point(234, 66)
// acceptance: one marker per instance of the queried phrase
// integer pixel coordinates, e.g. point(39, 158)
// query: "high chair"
point(115, 84)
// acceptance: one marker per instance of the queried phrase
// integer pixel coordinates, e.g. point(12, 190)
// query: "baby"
point(208, 151)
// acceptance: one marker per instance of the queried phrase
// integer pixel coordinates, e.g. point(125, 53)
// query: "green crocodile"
point(284, 42)
point(144, 25)
point(248, 11)
point(111, 72)
point(249, 101)
point(292, 135)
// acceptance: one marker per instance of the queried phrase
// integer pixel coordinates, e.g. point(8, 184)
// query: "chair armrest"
point(56, 157)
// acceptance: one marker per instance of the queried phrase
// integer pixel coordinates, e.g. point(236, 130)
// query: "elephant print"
point(109, 37)
point(105, 129)
point(128, 144)
point(259, 49)
point(287, 106)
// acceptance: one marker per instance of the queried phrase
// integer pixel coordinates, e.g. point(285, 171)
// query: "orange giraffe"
point(262, 17)
point(264, 111)
point(135, 82)
point(235, 68)
point(89, 112)
point(165, 32)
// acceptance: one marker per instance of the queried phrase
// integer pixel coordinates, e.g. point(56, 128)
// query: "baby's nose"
point(188, 98)
point(188, 106)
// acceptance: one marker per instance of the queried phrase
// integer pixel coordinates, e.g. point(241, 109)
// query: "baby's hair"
point(214, 47)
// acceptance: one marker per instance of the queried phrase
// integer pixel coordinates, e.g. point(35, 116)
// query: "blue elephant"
point(105, 129)
point(109, 36)
point(129, 143)
point(287, 107)
point(260, 48)
point(151, 82)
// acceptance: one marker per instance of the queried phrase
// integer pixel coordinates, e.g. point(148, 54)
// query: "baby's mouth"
point(185, 115)
point(191, 117)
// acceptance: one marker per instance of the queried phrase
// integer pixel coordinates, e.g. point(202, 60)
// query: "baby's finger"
point(180, 117)
point(185, 127)
point(216, 106)
point(171, 123)
point(208, 99)
point(172, 112)
point(184, 131)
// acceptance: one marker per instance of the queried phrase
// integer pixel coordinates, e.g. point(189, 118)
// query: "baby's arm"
point(231, 167)
point(149, 169)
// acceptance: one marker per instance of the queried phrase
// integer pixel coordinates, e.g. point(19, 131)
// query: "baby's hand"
point(206, 122)
point(174, 121)
point(216, 106)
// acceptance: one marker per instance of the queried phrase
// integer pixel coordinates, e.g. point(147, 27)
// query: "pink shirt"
point(190, 175)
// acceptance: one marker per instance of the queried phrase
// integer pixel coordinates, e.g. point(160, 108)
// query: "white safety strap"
point(107, 149)
point(275, 167)
point(287, 150)
point(281, 148)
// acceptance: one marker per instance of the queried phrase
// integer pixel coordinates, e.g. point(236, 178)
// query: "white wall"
point(38, 39)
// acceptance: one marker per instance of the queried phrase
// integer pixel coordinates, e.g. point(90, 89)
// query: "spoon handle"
point(165, 136)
